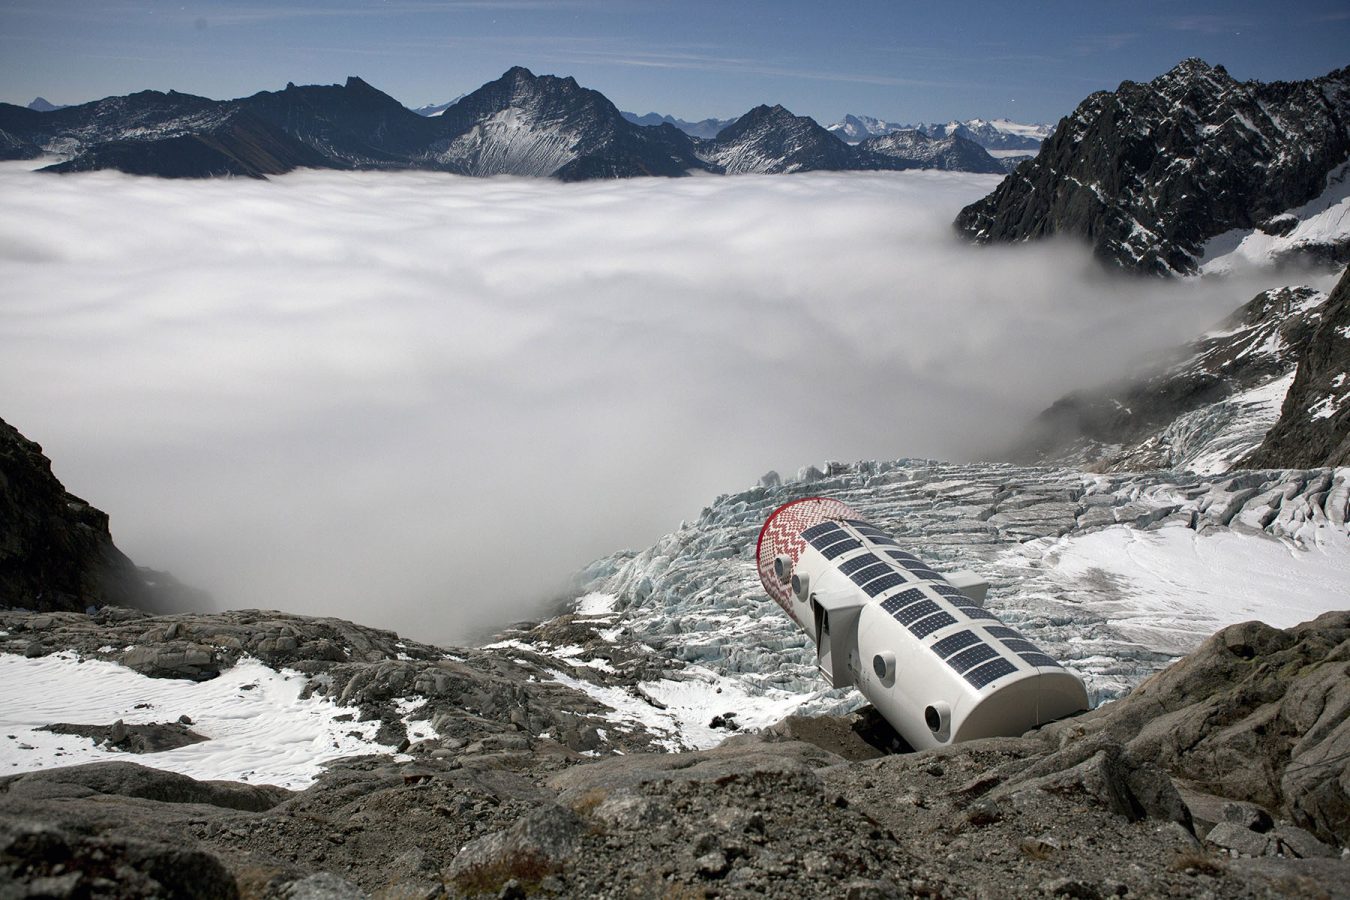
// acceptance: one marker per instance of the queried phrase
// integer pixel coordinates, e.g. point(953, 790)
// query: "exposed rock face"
point(1205, 407)
point(918, 150)
point(239, 144)
point(1314, 424)
point(1239, 749)
point(1149, 172)
point(769, 140)
point(522, 124)
point(1256, 714)
point(56, 552)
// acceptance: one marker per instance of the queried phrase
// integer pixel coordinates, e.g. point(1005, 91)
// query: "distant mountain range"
point(704, 128)
point(435, 109)
point(994, 134)
point(1162, 177)
point(520, 124)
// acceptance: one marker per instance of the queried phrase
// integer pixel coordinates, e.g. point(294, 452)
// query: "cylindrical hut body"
point(924, 651)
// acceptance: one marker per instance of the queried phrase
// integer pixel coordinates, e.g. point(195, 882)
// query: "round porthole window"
point(932, 719)
point(883, 664)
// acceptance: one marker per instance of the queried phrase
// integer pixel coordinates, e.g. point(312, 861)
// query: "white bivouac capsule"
point(919, 645)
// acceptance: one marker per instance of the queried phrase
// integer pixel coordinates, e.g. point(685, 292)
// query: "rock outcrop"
point(1148, 173)
point(1314, 423)
point(56, 552)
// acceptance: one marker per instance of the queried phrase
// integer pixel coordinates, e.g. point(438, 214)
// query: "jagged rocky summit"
point(520, 124)
point(1268, 387)
point(1162, 177)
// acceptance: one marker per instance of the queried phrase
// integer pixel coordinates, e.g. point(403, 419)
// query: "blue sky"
point(897, 60)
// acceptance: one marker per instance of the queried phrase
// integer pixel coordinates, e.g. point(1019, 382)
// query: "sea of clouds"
point(423, 401)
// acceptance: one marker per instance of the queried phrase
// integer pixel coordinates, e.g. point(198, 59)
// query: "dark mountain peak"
point(770, 139)
point(1192, 65)
point(1150, 173)
point(776, 117)
point(42, 104)
point(518, 74)
point(354, 93)
point(766, 112)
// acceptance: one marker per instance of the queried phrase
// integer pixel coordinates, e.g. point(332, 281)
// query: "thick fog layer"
point(423, 402)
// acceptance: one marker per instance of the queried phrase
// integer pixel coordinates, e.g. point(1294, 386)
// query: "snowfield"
point(258, 728)
point(1167, 589)
point(1316, 225)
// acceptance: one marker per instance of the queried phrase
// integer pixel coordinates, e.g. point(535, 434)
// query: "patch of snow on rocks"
point(258, 727)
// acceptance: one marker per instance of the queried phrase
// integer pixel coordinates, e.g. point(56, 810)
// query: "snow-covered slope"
point(514, 141)
point(853, 128)
point(1205, 408)
point(1317, 230)
point(771, 140)
point(431, 110)
point(991, 134)
point(259, 725)
point(953, 152)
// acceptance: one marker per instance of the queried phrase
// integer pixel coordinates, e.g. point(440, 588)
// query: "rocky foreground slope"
point(1224, 776)
point(1149, 173)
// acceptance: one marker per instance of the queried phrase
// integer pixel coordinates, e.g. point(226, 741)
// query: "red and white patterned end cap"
point(782, 536)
